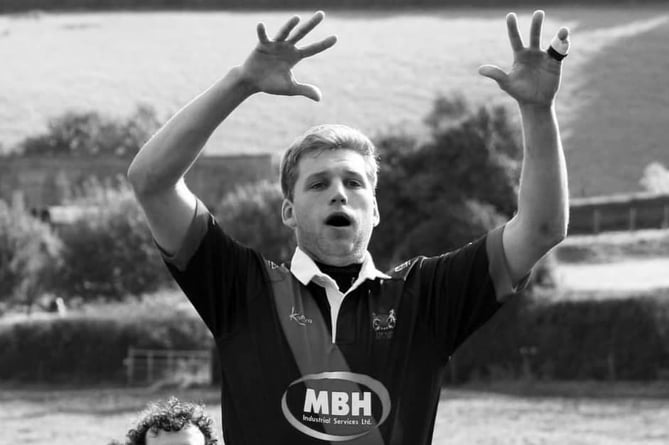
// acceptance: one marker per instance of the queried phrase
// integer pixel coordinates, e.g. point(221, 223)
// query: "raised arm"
point(543, 209)
point(157, 172)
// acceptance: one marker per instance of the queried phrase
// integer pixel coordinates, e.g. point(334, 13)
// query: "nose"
point(338, 194)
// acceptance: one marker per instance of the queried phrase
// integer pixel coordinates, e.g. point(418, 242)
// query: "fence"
point(182, 367)
point(619, 212)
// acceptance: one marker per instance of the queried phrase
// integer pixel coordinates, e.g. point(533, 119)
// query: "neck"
point(336, 261)
point(345, 276)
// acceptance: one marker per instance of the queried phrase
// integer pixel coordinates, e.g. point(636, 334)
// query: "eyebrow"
point(325, 174)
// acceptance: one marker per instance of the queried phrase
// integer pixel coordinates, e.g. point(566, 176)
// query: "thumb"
point(493, 72)
point(307, 90)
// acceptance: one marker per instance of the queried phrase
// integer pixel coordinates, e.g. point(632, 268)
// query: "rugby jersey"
point(303, 364)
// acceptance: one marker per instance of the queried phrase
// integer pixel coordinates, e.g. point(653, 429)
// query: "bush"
point(89, 350)
point(623, 339)
point(91, 134)
point(252, 215)
point(110, 252)
point(30, 256)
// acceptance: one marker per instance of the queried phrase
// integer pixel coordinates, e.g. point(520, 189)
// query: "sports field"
point(383, 73)
point(512, 414)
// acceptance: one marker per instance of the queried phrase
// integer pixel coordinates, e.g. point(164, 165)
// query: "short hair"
point(171, 416)
point(326, 137)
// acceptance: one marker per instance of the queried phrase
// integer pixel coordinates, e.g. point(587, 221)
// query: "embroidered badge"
point(299, 318)
point(384, 324)
point(402, 266)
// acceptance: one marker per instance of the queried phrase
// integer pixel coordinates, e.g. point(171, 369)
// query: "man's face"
point(333, 210)
point(189, 435)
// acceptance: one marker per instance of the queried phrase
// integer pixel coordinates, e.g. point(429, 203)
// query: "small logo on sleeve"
point(299, 318)
point(384, 324)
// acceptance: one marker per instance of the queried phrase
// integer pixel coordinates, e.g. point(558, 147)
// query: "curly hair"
point(172, 415)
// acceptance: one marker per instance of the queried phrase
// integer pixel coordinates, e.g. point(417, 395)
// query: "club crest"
point(384, 324)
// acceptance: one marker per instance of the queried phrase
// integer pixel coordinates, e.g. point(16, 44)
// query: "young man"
point(172, 422)
point(331, 349)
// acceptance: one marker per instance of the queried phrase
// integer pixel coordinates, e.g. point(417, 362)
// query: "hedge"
point(626, 339)
point(89, 350)
point(616, 339)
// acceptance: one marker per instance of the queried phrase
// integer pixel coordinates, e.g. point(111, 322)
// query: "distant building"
point(48, 181)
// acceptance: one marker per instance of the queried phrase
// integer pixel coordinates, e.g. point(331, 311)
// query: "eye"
point(354, 183)
point(317, 185)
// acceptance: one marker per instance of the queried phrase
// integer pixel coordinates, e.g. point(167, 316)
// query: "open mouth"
point(338, 220)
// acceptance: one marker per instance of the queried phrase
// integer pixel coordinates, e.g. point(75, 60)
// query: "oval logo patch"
point(336, 406)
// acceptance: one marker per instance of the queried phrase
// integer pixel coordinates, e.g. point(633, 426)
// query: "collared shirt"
point(306, 271)
point(396, 334)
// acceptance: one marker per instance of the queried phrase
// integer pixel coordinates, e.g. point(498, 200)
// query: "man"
point(173, 422)
point(331, 349)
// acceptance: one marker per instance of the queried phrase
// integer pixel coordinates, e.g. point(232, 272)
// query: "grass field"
point(383, 73)
point(508, 414)
point(614, 265)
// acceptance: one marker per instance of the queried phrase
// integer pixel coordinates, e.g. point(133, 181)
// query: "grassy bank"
point(502, 413)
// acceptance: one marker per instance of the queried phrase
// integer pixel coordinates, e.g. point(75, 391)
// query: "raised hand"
point(268, 67)
point(534, 78)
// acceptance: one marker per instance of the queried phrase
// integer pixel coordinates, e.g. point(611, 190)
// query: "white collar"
point(306, 270)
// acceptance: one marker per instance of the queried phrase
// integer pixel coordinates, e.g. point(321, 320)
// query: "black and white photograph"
point(364, 222)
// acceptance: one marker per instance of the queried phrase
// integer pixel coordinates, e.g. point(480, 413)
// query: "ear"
point(377, 216)
point(288, 214)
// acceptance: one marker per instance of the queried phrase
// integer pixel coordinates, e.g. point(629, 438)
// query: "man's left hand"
point(534, 78)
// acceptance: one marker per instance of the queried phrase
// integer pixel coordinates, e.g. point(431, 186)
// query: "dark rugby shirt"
point(297, 371)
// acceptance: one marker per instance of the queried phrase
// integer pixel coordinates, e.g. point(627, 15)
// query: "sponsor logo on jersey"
point(299, 318)
point(336, 406)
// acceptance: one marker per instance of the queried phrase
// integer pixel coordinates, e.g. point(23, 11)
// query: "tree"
point(30, 256)
point(437, 194)
point(655, 178)
point(92, 134)
point(251, 215)
point(109, 250)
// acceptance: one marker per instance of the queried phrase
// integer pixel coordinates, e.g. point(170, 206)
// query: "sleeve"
point(464, 288)
point(215, 272)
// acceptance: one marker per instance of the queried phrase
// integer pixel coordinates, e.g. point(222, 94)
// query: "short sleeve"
point(462, 289)
point(499, 267)
point(215, 272)
point(194, 235)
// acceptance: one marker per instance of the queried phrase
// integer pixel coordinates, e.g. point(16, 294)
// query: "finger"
point(317, 47)
point(307, 27)
point(494, 73)
point(563, 33)
point(560, 43)
point(514, 35)
point(535, 29)
point(307, 90)
point(262, 33)
point(287, 28)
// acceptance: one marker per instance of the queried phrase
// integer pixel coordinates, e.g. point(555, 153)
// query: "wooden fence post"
point(170, 361)
point(595, 220)
point(130, 366)
point(149, 366)
point(632, 219)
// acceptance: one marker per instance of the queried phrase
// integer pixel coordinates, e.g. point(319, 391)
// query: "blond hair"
point(326, 137)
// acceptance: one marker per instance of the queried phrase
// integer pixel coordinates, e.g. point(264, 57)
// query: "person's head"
point(328, 180)
point(173, 423)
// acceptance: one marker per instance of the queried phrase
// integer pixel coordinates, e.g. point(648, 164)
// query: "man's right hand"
point(268, 68)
